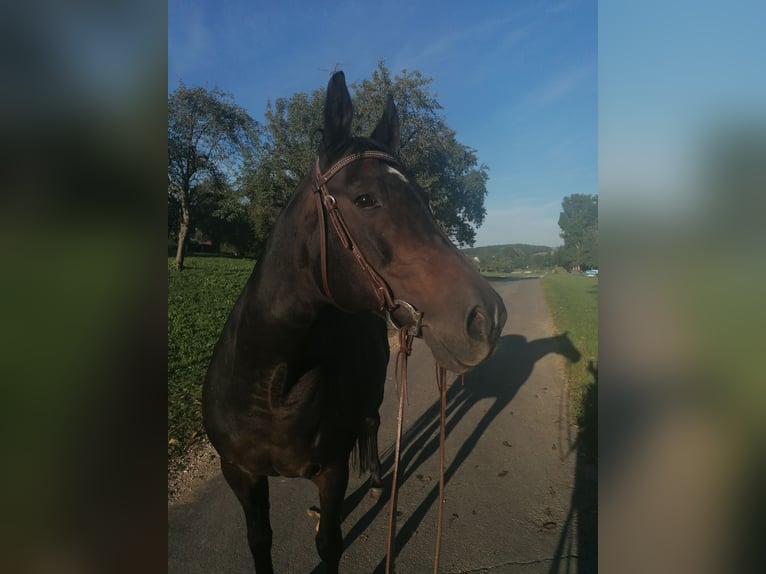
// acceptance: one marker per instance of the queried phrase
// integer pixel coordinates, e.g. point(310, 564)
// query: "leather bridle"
point(326, 204)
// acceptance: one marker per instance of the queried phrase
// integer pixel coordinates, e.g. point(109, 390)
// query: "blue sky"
point(670, 75)
point(517, 80)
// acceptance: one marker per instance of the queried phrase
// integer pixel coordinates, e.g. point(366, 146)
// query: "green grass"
point(573, 301)
point(199, 301)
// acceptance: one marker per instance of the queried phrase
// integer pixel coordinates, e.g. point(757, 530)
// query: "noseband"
point(326, 204)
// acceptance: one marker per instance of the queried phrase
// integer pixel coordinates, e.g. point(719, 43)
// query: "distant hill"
point(512, 256)
point(494, 250)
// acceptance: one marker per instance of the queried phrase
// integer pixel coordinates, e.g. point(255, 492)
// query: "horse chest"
point(297, 428)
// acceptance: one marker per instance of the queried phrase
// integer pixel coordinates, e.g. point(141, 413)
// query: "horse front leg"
point(253, 494)
point(331, 482)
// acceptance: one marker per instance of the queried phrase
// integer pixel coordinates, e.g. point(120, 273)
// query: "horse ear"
point(337, 112)
point(388, 131)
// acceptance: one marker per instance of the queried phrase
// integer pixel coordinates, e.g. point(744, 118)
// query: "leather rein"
point(326, 204)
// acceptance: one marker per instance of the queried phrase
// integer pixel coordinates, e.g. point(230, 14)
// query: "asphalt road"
point(519, 496)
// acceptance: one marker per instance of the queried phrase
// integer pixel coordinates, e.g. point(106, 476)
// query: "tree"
point(515, 258)
point(209, 137)
point(287, 155)
point(579, 230)
point(542, 260)
point(220, 214)
point(446, 169)
point(562, 257)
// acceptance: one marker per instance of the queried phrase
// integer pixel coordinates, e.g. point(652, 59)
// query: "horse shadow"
point(583, 507)
point(499, 378)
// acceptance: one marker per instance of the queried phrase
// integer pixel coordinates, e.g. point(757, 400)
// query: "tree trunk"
point(182, 232)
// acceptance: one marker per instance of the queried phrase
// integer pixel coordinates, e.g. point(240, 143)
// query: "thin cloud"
point(445, 45)
point(559, 7)
point(189, 41)
point(556, 88)
point(563, 83)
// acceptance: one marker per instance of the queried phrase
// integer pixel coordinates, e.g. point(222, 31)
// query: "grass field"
point(199, 301)
point(573, 301)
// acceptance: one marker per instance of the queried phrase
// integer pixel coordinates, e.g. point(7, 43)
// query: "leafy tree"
point(446, 169)
point(579, 230)
point(506, 258)
point(220, 213)
point(562, 257)
point(516, 258)
point(288, 152)
point(542, 260)
point(209, 137)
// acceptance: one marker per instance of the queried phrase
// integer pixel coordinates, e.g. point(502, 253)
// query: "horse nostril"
point(478, 324)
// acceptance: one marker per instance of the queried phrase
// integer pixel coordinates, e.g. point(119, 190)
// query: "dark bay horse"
point(297, 376)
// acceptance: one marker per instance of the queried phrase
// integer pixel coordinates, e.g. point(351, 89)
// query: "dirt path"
point(518, 496)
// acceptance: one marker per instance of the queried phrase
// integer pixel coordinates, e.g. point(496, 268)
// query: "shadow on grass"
point(583, 506)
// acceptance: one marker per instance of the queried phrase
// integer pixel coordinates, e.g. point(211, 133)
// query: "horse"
point(296, 379)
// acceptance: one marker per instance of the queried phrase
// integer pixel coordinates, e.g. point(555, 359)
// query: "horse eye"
point(365, 200)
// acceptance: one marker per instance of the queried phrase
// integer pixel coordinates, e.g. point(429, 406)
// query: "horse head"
point(564, 346)
point(387, 249)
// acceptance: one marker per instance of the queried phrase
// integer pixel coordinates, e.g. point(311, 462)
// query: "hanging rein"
point(328, 207)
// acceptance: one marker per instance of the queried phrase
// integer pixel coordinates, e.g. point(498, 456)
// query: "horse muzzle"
point(461, 345)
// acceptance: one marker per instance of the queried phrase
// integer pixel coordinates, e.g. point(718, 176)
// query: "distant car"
point(592, 272)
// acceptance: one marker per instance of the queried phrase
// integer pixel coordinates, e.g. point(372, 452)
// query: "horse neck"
point(543, 346)
point(554, 344)
point(282, 299)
